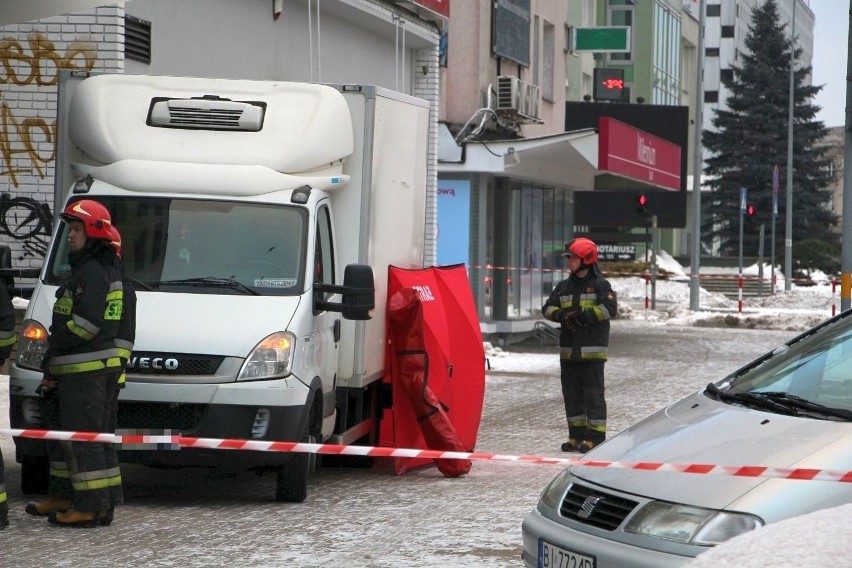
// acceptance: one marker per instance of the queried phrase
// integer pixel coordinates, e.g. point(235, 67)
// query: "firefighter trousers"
point(583, 394)
point(86, 473)
point(4, 503)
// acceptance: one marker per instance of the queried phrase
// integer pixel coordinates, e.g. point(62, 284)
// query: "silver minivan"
point(790, 408)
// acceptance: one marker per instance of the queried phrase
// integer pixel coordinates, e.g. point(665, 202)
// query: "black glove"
point(46, 389)
point(565, 316)
point(583, 318)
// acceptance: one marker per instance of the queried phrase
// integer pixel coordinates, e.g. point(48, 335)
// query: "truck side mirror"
point(358, 290)
point(359, 298)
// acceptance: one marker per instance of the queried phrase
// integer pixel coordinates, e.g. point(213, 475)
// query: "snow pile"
point(798, 309)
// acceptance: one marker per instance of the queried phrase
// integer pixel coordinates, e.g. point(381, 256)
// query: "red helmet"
point(583, 248)
point(94, 216)
point(115, 240)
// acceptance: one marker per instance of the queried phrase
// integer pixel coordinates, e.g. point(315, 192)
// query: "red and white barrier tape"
point(807, 474)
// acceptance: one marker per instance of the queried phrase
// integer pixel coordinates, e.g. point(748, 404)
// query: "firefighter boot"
point(74, 518)
point(570, 445)
point(4, 518)
point(47, 506)
point(106, 517)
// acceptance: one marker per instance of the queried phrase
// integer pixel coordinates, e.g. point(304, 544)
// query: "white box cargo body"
point(240, 203)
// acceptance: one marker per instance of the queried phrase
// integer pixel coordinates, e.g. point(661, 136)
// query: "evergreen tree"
point(751, 138)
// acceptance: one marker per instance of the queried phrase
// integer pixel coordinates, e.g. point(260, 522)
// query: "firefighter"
point(81, 369)
point(7, 340)
point(582, 305)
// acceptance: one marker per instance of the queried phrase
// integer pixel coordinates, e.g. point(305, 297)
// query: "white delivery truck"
point(258, 221)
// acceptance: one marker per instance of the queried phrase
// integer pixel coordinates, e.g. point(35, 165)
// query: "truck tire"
point(34, 475)
point(291, 479)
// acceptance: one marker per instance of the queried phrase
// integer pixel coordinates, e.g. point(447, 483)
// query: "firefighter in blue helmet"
point(7, 340)
point(81, 369)
point(583, 304)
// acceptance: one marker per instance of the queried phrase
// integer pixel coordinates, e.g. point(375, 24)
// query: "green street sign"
point(612, 39)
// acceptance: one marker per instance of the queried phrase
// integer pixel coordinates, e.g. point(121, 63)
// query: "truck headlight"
point(272, 358)
point(32, 345)
point(691, 525)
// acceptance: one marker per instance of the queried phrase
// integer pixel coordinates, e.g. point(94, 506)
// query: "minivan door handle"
point(337, 331)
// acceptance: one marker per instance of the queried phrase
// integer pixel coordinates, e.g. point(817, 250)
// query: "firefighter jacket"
point(126, 333)
point(7, 323)
point(586, 337)
point(86, 316)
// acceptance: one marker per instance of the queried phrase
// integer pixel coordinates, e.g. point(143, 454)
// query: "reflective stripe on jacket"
point(594, 296)
point(85, 321)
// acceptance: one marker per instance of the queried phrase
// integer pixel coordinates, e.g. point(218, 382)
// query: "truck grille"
point(143, 363)
point(590, 507)
point(154, 416)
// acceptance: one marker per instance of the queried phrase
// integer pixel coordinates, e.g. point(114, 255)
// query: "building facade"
point(390, 44)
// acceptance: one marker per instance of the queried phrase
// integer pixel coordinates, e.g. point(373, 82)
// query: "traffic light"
point(750, 210)
point(642, 204)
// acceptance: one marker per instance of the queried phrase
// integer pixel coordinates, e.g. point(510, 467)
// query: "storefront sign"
point(627, 151)
point(441, 7)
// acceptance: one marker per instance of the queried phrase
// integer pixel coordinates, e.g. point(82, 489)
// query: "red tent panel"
point(434, 338)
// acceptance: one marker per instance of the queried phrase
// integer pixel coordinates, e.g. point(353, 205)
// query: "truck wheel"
point(34, 475)
point(291, 483)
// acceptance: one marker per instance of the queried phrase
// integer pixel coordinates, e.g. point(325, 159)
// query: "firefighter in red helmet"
point(582, 305)
point(81, 369)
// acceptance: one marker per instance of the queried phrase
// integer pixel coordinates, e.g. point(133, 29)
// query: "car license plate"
point(552, 556)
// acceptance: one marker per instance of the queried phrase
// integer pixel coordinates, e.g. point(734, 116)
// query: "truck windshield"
point(202, 247)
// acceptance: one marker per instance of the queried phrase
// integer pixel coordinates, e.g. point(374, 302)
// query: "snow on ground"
point(797, 309)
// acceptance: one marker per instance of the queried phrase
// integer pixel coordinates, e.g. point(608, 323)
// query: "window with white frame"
point(620, 13)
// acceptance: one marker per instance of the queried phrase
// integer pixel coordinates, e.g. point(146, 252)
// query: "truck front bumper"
point(274, 410)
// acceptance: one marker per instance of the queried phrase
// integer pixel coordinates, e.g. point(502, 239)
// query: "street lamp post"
point(846, 250)
point(788, 225)
point(695, 260)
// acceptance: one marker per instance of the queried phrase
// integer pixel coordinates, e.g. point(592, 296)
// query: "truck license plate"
point(552, 556)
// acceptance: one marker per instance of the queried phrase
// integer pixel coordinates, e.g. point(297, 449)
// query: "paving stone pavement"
point(371, 517)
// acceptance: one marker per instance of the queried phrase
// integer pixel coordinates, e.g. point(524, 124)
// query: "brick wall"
point(32, 55)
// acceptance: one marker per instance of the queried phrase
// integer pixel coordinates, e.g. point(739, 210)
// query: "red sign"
point(440, 7)
point(633, 153)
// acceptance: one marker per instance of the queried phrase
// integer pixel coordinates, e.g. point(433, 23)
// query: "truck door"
point(328, 323)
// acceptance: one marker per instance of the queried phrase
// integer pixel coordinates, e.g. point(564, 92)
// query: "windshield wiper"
point(209, 282)
point(800, 403)
point(140, 284)
point(751, 399)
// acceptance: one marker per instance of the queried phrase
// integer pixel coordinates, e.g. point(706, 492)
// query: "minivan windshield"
point(203, 246)
point(812, 376)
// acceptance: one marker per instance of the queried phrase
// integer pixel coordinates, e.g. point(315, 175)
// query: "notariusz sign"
point(617, 252)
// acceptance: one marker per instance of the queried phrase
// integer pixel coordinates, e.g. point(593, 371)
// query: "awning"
point(568, 160)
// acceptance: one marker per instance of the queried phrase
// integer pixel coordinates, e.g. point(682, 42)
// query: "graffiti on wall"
point(28, 140)
point(39, 62)
point(25, 219)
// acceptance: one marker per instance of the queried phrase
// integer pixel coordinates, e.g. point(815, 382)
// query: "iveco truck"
point(258, 221)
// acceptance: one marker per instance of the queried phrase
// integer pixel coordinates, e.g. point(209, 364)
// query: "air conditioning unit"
point(531, 100)
point(508, 93)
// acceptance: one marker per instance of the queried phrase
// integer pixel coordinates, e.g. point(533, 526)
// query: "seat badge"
point(589, 506)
